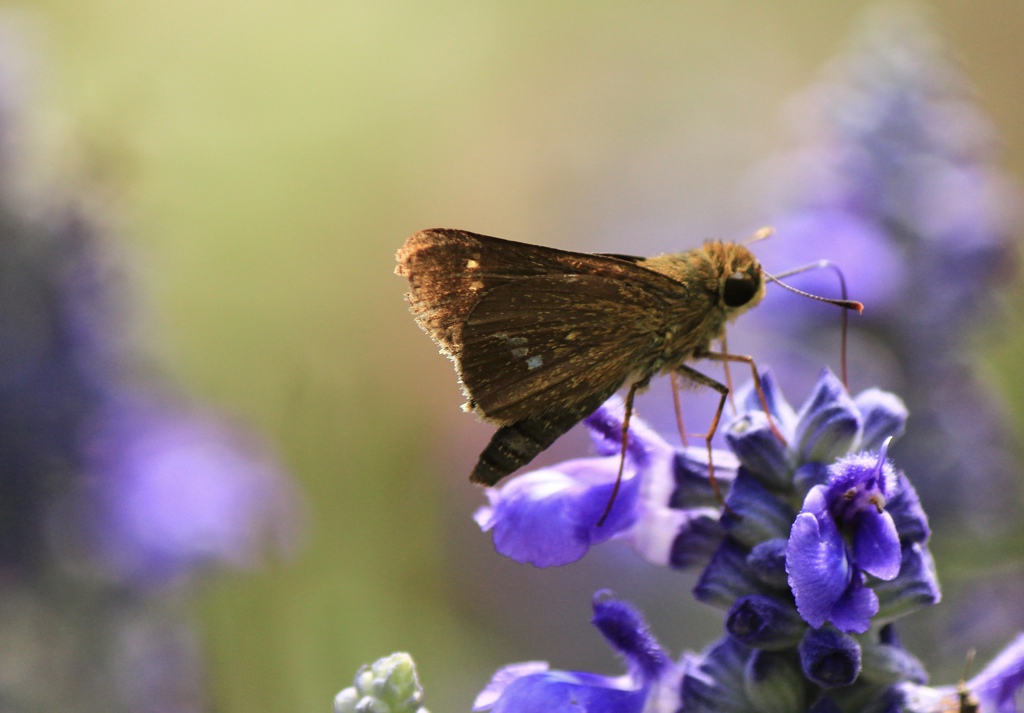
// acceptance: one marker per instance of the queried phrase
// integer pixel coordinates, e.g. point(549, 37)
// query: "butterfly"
point(541, 337)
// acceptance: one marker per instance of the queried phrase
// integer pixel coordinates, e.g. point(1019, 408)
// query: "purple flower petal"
point(916, 585)
point(691, 482)
point(714, 680)
point(557, 692)
point(876, 544)
point(605, 427)
point(829, 422)
point(852, 613)
point(549, 517)
point(751, 438)
point(907, 513)
point(768, 561)
point(764, 622)
point(677, 538)
point(819, 571)
point(829, 658)
point(883, 415)
point(753, 513)
point(503, 678)
point(781, 411)
point(627, 633)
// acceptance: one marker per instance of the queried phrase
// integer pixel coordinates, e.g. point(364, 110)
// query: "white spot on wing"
point(472, 264)
point(534, 362)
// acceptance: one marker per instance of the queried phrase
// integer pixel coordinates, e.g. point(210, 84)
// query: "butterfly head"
point(740, 278)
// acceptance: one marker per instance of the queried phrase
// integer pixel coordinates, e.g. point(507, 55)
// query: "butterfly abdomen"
point(516, 444)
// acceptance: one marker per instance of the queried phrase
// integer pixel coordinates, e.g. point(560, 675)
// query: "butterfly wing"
point(541, 337)
point(551, 342)
point(535, 329)
point(450, 271)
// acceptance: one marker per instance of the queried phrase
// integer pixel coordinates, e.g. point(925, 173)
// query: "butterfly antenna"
point(968, 662)
point(969, 703)
point(763, 233)
point(845, 303)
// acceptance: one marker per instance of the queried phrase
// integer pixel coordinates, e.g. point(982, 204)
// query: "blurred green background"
point(263, 161)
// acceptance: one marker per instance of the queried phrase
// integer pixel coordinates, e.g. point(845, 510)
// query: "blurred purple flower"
point(174, 491)
point(55, 365)
point(533, 688)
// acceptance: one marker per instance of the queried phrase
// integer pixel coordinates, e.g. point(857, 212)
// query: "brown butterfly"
point(541, 337)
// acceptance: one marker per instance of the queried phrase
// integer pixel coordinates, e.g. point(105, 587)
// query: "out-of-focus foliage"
point(115, 493)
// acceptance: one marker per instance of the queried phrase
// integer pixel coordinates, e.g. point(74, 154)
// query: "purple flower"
point(843, 533)
point(549, 517)
point(647, 686)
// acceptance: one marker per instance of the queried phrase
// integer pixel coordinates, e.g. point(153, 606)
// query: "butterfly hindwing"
point(549, 343)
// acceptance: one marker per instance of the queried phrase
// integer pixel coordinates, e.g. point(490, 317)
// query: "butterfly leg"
point(625, 441)
point(674, 377)
point(728, 372)
point(723, 392)
point(724, 357)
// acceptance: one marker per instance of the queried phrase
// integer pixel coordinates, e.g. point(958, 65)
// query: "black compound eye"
point(739, 289)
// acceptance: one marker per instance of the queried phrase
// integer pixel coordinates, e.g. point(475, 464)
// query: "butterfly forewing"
point(449, 271)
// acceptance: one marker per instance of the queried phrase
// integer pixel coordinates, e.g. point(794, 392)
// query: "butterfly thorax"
point(717, 283)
